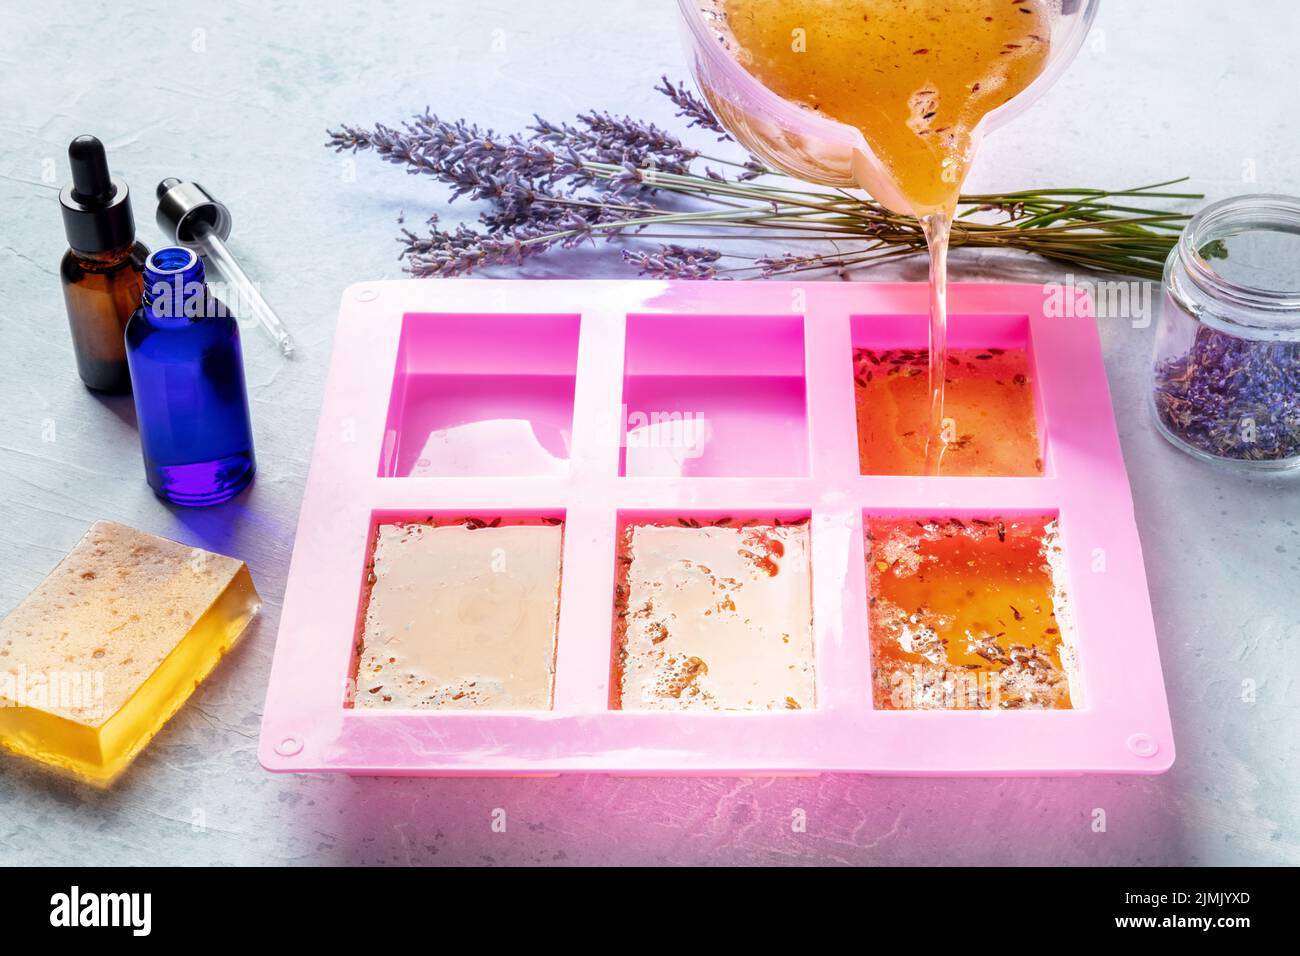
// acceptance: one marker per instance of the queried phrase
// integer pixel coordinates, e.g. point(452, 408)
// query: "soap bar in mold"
point(714, 617)
point(461, 615)
point(110, 645)
point(969, 614)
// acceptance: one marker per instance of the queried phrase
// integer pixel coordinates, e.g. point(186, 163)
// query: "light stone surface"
point(238, 97)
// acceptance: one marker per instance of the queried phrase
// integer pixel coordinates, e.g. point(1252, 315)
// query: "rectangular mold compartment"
point(714, 396)
point(891, 397)
point(970, 610)
point(482, 395)
point(713, 612)
point(467, 614)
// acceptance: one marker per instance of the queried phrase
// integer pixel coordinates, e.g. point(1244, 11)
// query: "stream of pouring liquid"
point(937, 227)
point(916, 77)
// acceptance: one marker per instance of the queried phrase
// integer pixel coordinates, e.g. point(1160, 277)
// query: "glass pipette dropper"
point(209, 245)
point(189, 213)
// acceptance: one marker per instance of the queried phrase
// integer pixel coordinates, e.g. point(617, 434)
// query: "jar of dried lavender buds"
point(1226, 372)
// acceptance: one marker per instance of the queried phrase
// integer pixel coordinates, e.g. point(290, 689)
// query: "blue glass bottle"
point(187, 373)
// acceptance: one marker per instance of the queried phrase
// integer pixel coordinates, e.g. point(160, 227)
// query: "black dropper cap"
point(96, 206)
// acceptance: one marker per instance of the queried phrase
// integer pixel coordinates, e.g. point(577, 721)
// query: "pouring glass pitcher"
point(814, 148)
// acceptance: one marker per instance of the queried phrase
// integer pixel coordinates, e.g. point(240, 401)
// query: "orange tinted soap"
point(968, 613)
point(988, 402)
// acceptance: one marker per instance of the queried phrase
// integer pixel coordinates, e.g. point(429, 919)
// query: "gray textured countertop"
point(238, 97)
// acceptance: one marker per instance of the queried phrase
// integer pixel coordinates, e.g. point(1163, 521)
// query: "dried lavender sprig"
point(513, 174)
point(890, 238)
point(1124, 245)
point(561, 185)
point(471, 160)
point(675, 262)
point(517, 175)
point(605, 138)
point(442, 253)
point(691, 107)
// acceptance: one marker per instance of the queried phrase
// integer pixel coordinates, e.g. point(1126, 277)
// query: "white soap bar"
point(461, 616)
point(715, 618)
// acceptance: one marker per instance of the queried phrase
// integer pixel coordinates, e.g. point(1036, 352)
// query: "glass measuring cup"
point(814, 148)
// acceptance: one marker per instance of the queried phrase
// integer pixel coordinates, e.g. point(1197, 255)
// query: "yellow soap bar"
point(112, 643)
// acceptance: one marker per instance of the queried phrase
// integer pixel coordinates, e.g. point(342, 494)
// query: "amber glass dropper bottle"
point(103, 269)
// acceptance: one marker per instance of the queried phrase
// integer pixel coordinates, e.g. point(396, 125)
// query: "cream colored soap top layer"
point(715, 618)
point(461, 617)
point(108, 615)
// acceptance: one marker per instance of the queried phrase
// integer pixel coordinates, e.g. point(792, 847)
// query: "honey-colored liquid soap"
point(916, 77)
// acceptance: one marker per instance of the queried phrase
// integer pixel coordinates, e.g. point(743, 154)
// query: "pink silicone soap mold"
point(604, 402)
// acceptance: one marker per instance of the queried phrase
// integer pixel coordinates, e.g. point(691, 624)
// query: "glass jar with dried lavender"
point(1226, 371)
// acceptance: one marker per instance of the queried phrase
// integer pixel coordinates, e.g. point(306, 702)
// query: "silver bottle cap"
point(187, 211)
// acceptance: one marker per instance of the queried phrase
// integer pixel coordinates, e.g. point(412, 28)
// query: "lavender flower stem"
point(605, 176)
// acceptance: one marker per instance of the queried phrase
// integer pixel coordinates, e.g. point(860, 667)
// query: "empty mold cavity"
point(482, 395)
point(707, 395)
point(459, 612)
point(713, 613)
point(968, 613)
point(990, 400)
